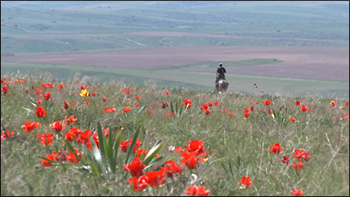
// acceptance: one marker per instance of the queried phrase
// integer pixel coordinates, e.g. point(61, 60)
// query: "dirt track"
point(302, 62)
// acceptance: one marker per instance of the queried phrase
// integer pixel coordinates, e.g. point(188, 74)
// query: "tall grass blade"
point(153, 152)
point(97, 155)
point(131, 147)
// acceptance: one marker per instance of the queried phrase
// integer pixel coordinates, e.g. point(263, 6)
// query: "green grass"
point(237, 146)
point(178, 78)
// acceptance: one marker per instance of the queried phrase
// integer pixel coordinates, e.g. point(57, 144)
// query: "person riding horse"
point(220, 74)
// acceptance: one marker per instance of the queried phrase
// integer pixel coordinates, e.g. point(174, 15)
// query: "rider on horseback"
point(220, 73)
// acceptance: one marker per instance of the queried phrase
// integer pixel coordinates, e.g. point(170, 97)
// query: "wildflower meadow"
point(79, 137)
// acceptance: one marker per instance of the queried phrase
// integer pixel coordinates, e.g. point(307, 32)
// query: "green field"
point(179, 78)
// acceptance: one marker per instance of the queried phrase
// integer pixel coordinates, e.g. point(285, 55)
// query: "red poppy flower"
point(292, 119)
point(310, 110)
point(333, 102)
point(137, 105)
point(60, 86)
point(45, 139)
point(109, 109)
point(267, 102)
point(216, 104)
point(69, 136)
point(26, 91)
point(38, 90)
point(297, 102)
point(61, 156)
point(135, 167)
point(207, 111)
point(346, 103)
point(285, 159)
point(65, 105)
point(297, 166)
point(58, 126)
point(127, 109)
point(155, 104)
point(303, 108)
point(223, 111)
point(132, 89)
point(104, 99)
point(297, 192)
point(127, 92)
point(195, 146)
point(83, 136)
point(246, 182)
point(33, 87)
point(167, 93)
point(156, 179)
point(230, 114)
point(72, 103)
point(190, 160)
point(138, 184)
point(71, 157)
point(246, 114)
point(47, 96)
point(187, 102)
point(252, 108)
point(164, 105)
point(298, 154)
point(122, 88)
point(246, 110)
point(39, 101)
point(40, 112)
point(124, 145)
point(8, 134)
point(87, 102)
point(47, 163)
point(306, 156)
point(94, 94)
point(137, 97)
point(178, 150)
point(276, 148)
point(30, 126)
point(71, 119)
point(197, 191)
point(172, 169)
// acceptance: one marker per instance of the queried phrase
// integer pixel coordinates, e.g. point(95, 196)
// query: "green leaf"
point(131, 147)
point(102, 142)
point(171, 107)
point(142, 108)
point(155, 160)
point(116, 146)
point(153, 152)
point(109, 148)
point(97, 155)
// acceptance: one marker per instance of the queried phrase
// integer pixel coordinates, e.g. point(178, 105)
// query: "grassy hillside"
point(235, 143)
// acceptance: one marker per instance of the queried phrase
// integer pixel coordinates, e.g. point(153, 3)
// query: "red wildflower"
point(109, 109)
point(39, 101)
point(94, 94)
point(47, 96)
point(69, 136)
point(137, 105)
point(47, 163)
point(61, 156)
point(87, 102)
point(187, 102)
point(197, 191)
point(223, 111)
point(4, 89)
point(137, 97)
point(138, 184)
point(230, 114)
point(167, 92)
point(65, 105)
point(38, 90)
point(172, 169)
point(83, 136)
point(207, 111)
point(246, 110)
point(72, 104)
point(156, 179)
point(127, 109)
point(45, 139)
point(30, 126)
point(104, 99)
point(298, 154)
point(47, 85)
point(246, 114)
point(190, 160)
point(135, 167)
point(127, 92)
point(267, 102)
point(333, 102)
point(124, 145)
point(164, 105)
point(132, 89)
point(297, 192)
point(285, 159)
point(40, 112)
point(276, 148)
point(310, 110)
point(60, 87)
point(149, 111)
point(216, 104)
point(7, 134)
point(306, 156)
point(346, 103)
point(71, 119)
point(246, 182)
point(292, 119)
point(58, 126)
point(297, 102)
point(252, 108)
point(122, 88)
point(210, 104)
point(297, 166)
point(33, 87)
point(303, 108)
point(155, 104)
point(71, 157)
point(195, 146)
point(26, 91)
point(178, 149)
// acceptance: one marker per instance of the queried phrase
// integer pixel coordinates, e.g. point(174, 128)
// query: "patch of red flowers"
point(267, 102)
point(297, 192)
point(303, 108)
point(71, 119)
point(197, 191)
point(58, 126)
point(124, 145)
point(276, 148)
point(40, 112)
point(135, 167)
point(45, 139)
point(104, 99)
point(127, 109)
point(109, 109)
point(30, 126)
point(245, 182)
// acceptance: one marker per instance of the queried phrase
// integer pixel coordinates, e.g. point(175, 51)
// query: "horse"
point(221, 86)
